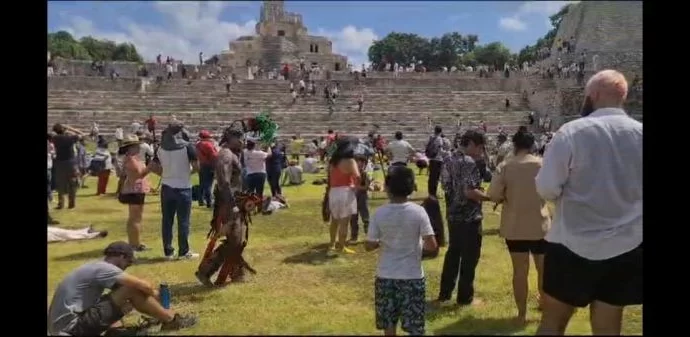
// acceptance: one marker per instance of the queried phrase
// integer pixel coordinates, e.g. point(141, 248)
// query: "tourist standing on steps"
point(462, 181)
point(525, 217)
point(66, 166)
point(134, 189)
point(434, 152)
point(177, 161)
point(402, 230)
point(594, 252)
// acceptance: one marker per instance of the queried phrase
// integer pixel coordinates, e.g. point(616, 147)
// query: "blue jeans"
point(255, 183)
point(176, 201)
point(273, 176)
point(206, 173)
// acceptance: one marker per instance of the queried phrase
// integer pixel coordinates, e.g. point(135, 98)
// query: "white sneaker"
point(189, 256)
point(170, 257)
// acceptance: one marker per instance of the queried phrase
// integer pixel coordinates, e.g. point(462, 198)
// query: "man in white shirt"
point(310, 164)
point(399, 151)
point(592, 171)
point(177, 161)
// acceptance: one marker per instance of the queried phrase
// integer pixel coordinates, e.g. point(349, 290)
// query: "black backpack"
point(432, 147)
point(97, 165)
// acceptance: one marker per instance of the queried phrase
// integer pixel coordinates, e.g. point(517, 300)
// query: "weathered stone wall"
point(612, 30)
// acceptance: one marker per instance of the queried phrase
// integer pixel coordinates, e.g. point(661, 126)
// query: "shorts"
point(536, 247)
point(342, 202)
point(96, 319)
point(577, 281)
point(132, 198)
point(402, 300)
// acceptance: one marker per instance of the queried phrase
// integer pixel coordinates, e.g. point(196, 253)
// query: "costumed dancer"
point(233, 208)
point(228, 219)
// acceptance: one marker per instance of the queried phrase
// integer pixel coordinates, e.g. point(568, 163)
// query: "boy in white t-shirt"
point(401, 229)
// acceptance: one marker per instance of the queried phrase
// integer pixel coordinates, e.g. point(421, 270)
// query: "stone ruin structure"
point(281, 37)
point(611, 32)
point(412, 103)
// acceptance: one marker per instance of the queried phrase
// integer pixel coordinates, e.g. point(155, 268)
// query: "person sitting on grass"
point(79, 307)
point(402, 229)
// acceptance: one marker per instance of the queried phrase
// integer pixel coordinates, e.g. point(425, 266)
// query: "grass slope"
point(298, 290)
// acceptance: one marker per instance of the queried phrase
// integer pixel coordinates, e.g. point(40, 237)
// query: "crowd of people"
point(588, 252)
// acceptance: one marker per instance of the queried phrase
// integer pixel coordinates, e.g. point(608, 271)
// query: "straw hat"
point(130, 140)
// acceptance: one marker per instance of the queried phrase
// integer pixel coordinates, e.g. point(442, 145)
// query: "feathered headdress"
point(262, 125)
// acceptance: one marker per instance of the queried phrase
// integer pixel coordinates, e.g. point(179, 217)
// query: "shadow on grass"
point(483, 326)
point(190, 291)
point(491, 231)
point(84, 255)
point(150, 260)
point(316, 255)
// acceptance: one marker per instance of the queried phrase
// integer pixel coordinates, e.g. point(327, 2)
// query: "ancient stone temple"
point(281, 37)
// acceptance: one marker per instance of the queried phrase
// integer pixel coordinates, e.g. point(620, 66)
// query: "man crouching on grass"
point(79, 307)
point(402, 229)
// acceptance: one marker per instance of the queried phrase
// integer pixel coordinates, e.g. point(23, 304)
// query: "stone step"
point(131, 84)
point(276, 114)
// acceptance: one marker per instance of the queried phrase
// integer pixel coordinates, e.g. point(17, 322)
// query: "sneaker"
point(347, 250)
point(170, 257)
point(179, 322)
point(189, 256)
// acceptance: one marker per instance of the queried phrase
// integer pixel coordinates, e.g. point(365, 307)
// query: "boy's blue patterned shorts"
point(402, 300)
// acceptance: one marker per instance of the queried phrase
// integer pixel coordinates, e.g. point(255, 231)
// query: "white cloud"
point(539, 9)
point(351, 41)
point(512, 23)
point(194, 27)
point(197, 26)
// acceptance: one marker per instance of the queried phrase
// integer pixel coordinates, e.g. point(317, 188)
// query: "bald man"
point(592, 170)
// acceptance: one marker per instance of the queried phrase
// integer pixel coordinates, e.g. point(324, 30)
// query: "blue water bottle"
point(165, 295)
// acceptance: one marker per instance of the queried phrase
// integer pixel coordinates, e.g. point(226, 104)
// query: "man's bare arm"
point(195, 166)
point(134, 282)
point(477, 195)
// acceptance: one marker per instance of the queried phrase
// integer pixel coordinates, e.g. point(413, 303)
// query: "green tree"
point(494, 53)
point(530, 53)
point(62, 44)
point(403, 48)
point(436, 52)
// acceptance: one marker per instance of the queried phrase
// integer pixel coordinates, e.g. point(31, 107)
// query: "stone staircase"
point(414, 110)
point(272, 51)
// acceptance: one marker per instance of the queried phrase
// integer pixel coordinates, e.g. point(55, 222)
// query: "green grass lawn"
point(298, 290)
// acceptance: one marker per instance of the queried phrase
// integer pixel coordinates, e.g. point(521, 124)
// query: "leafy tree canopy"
point(450, 49)
point(63, 44)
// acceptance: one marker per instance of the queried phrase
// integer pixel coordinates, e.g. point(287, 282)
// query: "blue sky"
point(182, 29)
